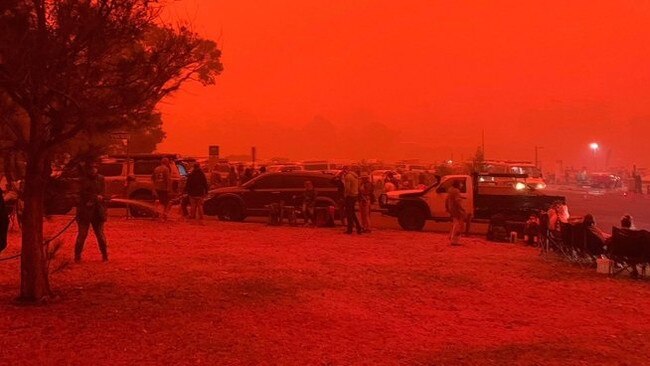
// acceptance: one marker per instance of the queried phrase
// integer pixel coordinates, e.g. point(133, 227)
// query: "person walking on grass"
point(366, 199)
point(351, 192)
point(454, 206)
point(196, 188)
point(91, 211)
point(162, 184)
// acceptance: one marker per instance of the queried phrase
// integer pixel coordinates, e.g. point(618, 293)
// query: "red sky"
point(429, 74)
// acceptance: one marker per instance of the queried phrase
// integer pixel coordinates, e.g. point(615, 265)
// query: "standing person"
point(351, 192)
point(366, 199)
point(455, 209)
point(162, 184)
point(233, 177)
point(340, 197)
point(308, 203)
point(91, 211)
point(240, 174)
point(4, 222)
point(389, 186)
point(248, 175)
point(196, 188)
point(215, 178)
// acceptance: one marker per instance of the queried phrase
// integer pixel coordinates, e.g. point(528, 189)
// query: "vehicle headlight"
point(540, 186)
point(520, 186)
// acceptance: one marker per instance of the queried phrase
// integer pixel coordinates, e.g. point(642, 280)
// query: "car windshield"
point(253, 181)
point(531, 171)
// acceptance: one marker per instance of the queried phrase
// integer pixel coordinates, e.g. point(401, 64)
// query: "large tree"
point(79, 67)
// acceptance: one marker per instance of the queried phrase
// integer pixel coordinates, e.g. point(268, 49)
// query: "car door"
point(437, 197)
point(263, 191)
point(293, 189)
point(325, 187)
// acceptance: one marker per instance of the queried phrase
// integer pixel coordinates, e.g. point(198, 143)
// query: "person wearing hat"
point(91, 211)
point(366, 199)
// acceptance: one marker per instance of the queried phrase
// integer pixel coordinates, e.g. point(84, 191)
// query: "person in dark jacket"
point(91, 211)
point(309, 203)
point(196, 188)
point(4, 222)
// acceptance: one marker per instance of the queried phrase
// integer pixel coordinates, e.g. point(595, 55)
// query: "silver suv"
point(130, 177)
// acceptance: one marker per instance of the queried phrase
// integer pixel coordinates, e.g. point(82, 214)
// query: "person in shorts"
point(162, 184)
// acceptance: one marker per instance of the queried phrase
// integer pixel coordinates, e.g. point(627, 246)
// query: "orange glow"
point(435, 73)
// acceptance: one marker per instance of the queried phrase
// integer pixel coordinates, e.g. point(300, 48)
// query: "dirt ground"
point(180, 293)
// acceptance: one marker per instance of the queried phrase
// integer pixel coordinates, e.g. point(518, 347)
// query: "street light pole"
point(594, 148)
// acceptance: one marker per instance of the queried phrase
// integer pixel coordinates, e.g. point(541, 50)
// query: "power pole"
point(483, 142)
point(537, 148)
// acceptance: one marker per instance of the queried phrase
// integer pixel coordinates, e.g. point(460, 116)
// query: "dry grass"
point(244, 294)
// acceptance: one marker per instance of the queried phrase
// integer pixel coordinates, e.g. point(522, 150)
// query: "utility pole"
point(537, 148)
point(483, 142)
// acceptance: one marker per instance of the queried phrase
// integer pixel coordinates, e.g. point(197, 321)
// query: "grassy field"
point(179, 293)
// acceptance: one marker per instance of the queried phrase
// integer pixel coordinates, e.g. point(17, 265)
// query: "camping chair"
point(628, 249)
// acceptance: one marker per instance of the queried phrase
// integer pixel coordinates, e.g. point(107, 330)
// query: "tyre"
point(147, 198)
point(412, 218)
point(230, 210)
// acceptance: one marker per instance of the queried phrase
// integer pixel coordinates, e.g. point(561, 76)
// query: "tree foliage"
point(77, 68)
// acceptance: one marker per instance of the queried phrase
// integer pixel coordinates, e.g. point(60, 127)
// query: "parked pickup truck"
point(516, 203)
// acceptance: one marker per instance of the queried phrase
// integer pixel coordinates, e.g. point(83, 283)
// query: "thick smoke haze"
point(391, 79)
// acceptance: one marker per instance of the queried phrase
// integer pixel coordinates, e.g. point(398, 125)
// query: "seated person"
point(594, 232)
point(558, 213)
point(531, 231)
point(626, 222)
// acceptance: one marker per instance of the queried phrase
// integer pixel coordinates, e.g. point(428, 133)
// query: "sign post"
point(213, 156)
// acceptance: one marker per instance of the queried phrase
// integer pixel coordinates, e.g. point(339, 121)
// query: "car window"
point(293, 181)
point(110, 169)
point(268, 182)
point(144, 167)
point(324, 182)
point(181, 169)
point(317, 167)
point(444, 187)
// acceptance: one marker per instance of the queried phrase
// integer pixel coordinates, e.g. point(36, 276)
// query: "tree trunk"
point(34, 286)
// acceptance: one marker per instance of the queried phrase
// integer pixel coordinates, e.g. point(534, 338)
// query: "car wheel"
point(231, 210)
point(141, 211)
point(411, 218)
